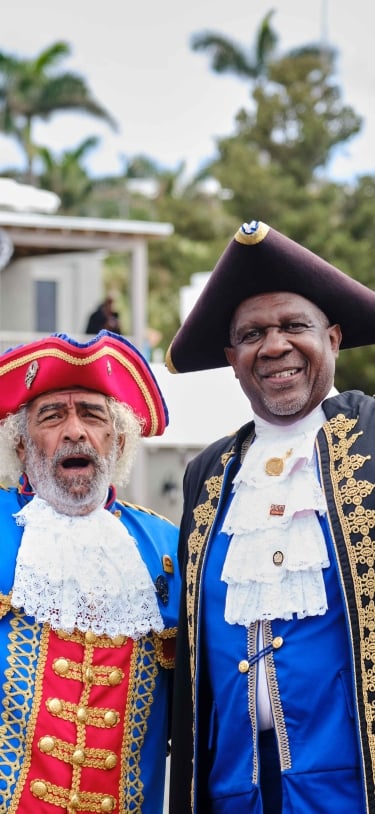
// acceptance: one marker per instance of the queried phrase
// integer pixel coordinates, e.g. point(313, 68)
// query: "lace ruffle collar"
point(83, 572)
point(273, 567)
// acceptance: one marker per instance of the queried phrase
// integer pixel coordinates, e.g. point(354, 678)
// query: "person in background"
point(274, 705)
point(104, 318)
point(89, 584)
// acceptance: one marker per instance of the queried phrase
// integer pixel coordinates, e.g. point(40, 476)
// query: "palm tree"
point(36, 88)
point(66, 176)
point(229, 56)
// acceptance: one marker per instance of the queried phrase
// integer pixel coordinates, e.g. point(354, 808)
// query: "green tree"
point(229, 56)
point(32, 89)
point(66, 176)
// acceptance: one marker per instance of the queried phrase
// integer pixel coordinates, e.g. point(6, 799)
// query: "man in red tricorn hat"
point(274, 706)
point(88, 584)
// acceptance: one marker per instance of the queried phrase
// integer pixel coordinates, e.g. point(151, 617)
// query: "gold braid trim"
point(5, 604)
point(204, 515)
point(357, 521)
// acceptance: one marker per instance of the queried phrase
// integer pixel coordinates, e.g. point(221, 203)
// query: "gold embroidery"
point(5, 604)
point(72, 801)
point(18, 696)
point(277, 710)
point(204, 515)
point(77, 754)
point(164, 661)
point(357, 520)
point(103, 717)
point(142, 683)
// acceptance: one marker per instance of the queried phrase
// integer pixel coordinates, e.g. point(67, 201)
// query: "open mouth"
point(75, 463)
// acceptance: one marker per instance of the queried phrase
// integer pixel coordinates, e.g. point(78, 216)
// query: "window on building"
point(46, 306)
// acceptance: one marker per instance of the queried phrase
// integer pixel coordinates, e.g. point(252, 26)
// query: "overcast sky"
point(137, 60)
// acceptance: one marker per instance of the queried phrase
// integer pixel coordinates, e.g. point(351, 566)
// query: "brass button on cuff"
point(277, 642)
point(243, 666)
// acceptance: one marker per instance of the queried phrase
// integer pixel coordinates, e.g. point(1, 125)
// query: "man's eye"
point(50, 417)
point(252, 335)
point(295, 327)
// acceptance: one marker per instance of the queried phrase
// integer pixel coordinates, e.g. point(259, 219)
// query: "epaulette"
point(144, 509)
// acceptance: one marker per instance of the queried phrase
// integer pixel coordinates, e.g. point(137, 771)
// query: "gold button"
point(39, 789)
point(107, 804)
point(243, 666)
point(110, 761)
point(82, 715)
point(277, 642)
point(78, 757)
point(111, 717)
point(278, 558)
point(118, 641)
point(74, 800)
point(89, 675)
point(61, 666)
point(115, 677)
point(46, 744)
point(54, 705)
point(90, 637)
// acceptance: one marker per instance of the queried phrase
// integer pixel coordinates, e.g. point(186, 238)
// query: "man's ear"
point(230, 354)
point(335, 338)
point(21, 450)
point(120, 445)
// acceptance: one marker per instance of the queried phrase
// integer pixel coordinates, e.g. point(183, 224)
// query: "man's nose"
point(275, 342)
point(74, 429)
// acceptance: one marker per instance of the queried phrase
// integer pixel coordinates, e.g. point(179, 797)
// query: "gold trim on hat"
point(168, 361)
point(79, 362)
point(251, 238)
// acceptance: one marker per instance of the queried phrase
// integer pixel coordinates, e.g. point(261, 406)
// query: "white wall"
point(80, 289)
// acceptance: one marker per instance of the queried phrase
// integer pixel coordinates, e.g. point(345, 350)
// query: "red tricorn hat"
point(107, 364)
point(259, 260)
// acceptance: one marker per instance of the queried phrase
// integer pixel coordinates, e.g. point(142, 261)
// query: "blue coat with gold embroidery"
point(320, 670)
point(84, 718)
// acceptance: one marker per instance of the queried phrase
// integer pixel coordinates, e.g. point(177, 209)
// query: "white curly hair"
point(125, 422)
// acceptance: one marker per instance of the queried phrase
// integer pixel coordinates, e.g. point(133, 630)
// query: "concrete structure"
point(54, 278)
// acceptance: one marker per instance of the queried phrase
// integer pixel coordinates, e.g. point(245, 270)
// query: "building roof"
point(33, 233)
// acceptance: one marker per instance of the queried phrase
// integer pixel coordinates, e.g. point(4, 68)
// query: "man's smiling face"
point(71, 449)
point(283, 352)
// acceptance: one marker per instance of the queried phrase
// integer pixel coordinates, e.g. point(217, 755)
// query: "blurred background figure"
point(104, 318)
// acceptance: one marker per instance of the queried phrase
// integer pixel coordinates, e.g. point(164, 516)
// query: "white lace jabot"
point(83, 572)
point(277, 550)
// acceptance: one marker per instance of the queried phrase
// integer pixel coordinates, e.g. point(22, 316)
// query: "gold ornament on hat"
point(275, 466)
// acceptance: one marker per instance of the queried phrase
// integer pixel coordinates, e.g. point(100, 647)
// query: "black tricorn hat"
point(259, 260)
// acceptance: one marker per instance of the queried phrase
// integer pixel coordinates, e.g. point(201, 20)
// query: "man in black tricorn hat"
point(274, 709)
